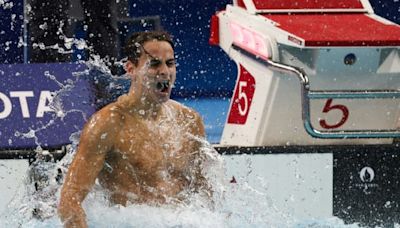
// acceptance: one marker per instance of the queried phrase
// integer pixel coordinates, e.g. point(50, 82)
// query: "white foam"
point(235, 205)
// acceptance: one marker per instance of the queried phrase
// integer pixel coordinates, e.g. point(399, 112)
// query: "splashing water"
point(235, 205)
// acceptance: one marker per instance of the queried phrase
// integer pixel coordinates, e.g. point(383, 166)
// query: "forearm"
point(205, 187)
point(72, 214)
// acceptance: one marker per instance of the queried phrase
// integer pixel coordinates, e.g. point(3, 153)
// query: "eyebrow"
point(151, 56)
point(147, 53)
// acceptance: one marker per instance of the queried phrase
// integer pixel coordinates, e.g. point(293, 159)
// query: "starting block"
point(310, 73)
point(315, 106)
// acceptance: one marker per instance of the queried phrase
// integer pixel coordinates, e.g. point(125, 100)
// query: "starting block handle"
point(307, 94)
point(356, 94)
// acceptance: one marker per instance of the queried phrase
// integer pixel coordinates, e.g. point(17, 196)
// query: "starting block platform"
point(328, 70)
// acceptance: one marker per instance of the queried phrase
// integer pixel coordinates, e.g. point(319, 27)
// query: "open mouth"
point(163, 86)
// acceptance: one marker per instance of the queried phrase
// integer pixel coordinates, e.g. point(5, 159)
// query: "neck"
point(136, 104)
point(140, 107)
point(147, 110)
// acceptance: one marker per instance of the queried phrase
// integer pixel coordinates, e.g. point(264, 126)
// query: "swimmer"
point(143, 148)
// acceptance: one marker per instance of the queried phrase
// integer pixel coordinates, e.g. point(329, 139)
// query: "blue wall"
point(11, 22)
point(203, 70)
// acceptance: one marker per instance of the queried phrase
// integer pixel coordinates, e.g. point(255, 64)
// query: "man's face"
point(155, 72)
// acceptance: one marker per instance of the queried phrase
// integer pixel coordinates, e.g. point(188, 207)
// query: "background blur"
point(203, 70)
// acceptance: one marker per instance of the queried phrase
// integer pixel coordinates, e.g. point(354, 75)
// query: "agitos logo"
point(367, 174)
point(367, 177)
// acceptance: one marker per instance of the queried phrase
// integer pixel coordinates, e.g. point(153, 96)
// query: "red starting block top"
point(264, 6)
point(337, 29)
point(307, 4)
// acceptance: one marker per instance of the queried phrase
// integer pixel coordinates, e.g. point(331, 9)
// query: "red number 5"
point(328, 107)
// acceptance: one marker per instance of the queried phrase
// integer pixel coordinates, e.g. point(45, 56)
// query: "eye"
point(154, 63)
point(170, 63)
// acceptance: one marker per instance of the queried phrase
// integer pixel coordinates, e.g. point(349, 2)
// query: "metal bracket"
point(307, 94)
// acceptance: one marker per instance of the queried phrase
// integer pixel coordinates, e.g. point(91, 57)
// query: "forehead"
point(161, 49)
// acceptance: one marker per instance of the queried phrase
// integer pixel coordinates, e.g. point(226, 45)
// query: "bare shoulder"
point(109, 118)
point(190, 116)
point(186, 112)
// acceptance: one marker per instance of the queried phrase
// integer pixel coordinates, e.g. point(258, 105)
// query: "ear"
point(129, 67)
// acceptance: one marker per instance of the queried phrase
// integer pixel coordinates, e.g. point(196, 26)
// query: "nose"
point(164, 70)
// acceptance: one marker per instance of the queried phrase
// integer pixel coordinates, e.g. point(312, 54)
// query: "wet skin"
point(142, 148)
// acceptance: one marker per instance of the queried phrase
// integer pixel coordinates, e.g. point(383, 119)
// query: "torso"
point(152, 160)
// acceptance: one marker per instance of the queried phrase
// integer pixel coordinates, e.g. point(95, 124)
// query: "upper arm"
point(196, 131)
point(97, 138)
point(201, 184)
point(198, 126)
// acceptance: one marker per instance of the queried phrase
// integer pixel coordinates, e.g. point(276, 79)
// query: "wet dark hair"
point(134, 45)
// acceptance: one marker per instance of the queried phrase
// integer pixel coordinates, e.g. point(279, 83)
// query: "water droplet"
point(103, 136)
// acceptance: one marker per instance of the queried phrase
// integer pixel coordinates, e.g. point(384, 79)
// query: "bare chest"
point(154, 148)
